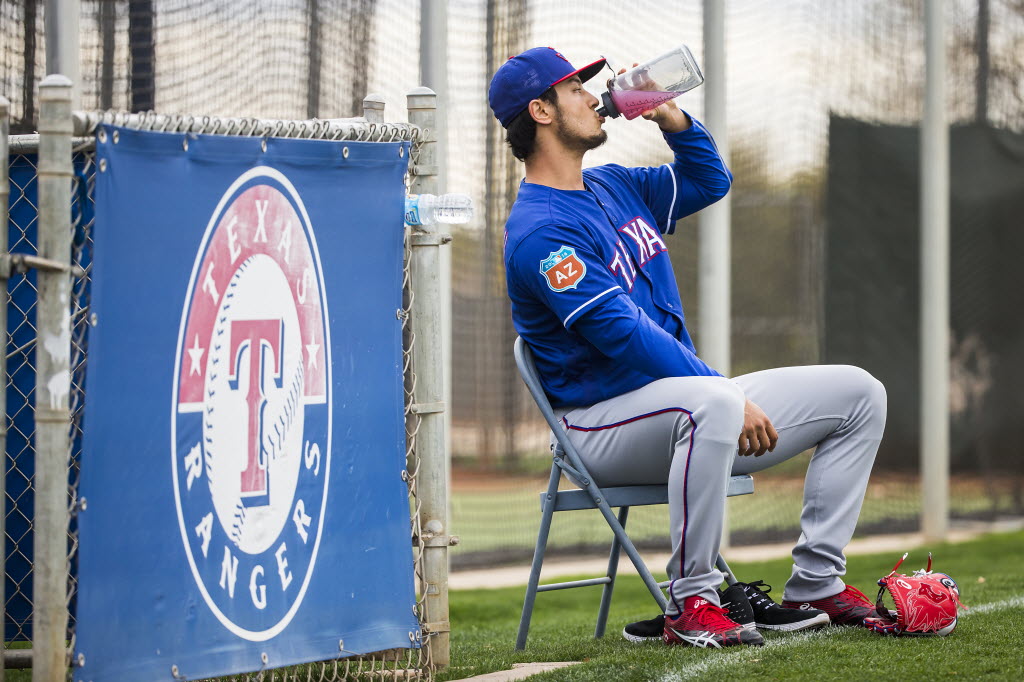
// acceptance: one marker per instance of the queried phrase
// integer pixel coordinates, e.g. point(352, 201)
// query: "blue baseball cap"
point(527, 76)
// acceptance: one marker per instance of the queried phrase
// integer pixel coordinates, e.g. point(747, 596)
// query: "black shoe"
point(734, 600)
point(645, 630)
point(770, 616)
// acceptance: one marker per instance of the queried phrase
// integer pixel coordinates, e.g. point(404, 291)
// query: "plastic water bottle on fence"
point(654, 82)
point(427, 209)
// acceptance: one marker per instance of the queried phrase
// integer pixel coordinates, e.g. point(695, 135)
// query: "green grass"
point(987, 643)
point(504, 515)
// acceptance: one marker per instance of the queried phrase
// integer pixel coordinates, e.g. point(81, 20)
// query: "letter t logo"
point(262, 340)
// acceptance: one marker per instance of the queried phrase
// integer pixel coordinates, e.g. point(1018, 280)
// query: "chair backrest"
point(524, 361)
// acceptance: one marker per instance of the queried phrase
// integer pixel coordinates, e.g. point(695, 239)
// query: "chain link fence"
point(20, 369)
point(20, 381)
point(83, 220)
point(19, 374)
point(413, 663)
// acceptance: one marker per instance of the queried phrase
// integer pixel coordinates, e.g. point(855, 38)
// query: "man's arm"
point(624, 332)
point(559, 265)
point(758, 435)
point(697, 176)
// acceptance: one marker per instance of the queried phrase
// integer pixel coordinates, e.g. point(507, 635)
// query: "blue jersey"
point(589, 275)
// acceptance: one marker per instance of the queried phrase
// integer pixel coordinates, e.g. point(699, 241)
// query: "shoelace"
point(713, 618)
point(856, 595)
point(758, 593)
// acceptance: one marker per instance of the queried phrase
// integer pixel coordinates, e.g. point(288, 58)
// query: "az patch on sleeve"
point(563, 269)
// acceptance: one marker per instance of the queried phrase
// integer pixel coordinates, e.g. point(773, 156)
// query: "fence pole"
point(434, 75)
point(715, 222)
point(373, 108)
point(934, 282)
point(5, 188)
point(62, 41)
point(53, 384)
point(428, 361)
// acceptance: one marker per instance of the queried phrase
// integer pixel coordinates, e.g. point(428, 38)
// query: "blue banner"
point(244, 432)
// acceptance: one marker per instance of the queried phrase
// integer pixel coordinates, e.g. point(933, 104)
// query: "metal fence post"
point(373, 108)
point(428, 363)
point(434, 75)
point(5, 188)
point(63, 44)
point(714, 326)
point(935, 283)
point(53, 383)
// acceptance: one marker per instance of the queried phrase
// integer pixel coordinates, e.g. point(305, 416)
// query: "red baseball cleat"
point(849, 607)
point(705, 625)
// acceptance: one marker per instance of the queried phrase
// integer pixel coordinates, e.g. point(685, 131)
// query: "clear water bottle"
point(654, 82)
point(427, 209)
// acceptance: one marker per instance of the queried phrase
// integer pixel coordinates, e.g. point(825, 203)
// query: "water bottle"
point(427, 209)
point(654, 82)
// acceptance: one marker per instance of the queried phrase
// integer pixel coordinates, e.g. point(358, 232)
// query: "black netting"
point(792, 67)
point(290, 59)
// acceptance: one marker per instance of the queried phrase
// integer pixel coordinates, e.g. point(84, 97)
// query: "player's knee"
point(721, 410)
point(876, 394)
point(877, 400)
point(869, 392)
point(871, 389)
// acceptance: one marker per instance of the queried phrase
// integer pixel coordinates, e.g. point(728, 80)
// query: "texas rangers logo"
point(251, 435)
point(563, 269)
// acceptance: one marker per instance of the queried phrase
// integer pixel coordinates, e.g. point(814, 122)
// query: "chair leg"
point(613, 569)
point(629, 548)
point(538, 559)
point(724, 568)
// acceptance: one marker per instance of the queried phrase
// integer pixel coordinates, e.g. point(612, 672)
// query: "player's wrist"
point(674, 121)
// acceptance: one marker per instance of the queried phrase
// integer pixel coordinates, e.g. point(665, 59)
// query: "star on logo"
point(195, 353)
point(312, 349)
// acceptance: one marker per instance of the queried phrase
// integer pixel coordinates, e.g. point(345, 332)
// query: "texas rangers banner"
point(244, 505)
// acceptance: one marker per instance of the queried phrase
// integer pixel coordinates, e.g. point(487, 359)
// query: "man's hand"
point(667, 115)
point(758, 435)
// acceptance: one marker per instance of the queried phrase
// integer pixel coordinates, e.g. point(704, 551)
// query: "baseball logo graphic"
point(251, 436)
point(563, 269)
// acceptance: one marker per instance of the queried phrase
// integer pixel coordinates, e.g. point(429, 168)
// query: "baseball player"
point(594, 295)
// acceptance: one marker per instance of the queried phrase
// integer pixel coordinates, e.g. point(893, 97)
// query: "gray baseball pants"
point(685, 431)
